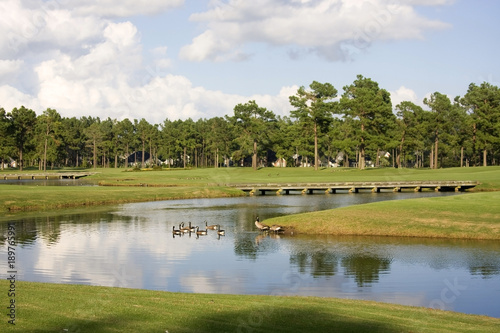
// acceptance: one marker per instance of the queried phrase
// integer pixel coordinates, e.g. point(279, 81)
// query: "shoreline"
point(83, 308)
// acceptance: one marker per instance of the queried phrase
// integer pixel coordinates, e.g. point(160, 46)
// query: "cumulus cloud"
point(72, 56)
point(323, 27)
point(119, 8)
point(404, 94)
point(8, 67)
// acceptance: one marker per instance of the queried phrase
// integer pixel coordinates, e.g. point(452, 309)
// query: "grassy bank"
point(37, 198)
point(467, 216)
point(489, 177)
point(76, 308)
point(120, 186)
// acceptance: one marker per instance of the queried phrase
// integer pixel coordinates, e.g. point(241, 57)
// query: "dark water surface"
point(132, 246)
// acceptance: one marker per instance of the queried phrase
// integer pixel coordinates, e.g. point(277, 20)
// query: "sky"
point(180, 59)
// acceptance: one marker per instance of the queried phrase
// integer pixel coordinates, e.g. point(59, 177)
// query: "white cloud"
point(161, 60)
point(120, 8)
point(11, 97)
point(9, 67)
point(320, 26)
point(34, 29)
point(404, 94)
point(65, 55)
point(279, 104)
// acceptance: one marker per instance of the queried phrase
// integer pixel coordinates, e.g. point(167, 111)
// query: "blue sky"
point(180, 59)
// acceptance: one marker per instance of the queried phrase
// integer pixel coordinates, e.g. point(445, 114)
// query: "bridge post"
point(418, 189)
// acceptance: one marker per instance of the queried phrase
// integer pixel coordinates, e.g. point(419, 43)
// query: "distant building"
point(279, 163)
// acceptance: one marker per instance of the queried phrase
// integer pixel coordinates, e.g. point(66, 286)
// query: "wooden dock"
point(355, 187)
point(47, 175)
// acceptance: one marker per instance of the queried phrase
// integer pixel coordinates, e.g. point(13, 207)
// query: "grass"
point(38, 198)
point(76, 308)
point(467, 216)
point(120, 186)
point(489, 177)
point(73, 308)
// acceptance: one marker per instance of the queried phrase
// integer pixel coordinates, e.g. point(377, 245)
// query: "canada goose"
point(219, 231)
point(175, 231)
point(211, 227)
point(201, 232)
point(189, 228)
point(261, 226)
point(276, 228)
point(184, 229)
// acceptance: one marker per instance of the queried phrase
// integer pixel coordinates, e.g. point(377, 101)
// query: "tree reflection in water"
point(364, 268)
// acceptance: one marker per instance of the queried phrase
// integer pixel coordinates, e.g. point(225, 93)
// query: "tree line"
point(358, 128)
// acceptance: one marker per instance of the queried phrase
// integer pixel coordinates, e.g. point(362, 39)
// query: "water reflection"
point(133, 246)
point(365, 269)
point(320, 263)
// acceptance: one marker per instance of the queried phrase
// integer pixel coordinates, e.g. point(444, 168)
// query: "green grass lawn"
point(489, 177)
point(466, 216)
point(36, 198)
point(77, 308)
point(68, 308)
point(129, 186)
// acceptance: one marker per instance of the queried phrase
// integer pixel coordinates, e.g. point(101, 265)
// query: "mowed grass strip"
point(44, 307)
point(489, 177)
point(466, 216)
point(36, 198)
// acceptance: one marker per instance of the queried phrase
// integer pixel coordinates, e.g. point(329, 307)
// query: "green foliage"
point(314, 109)
point(252, 124)
point(23, 124)
point(45, 307)
point(361, 126)
point(369, 108)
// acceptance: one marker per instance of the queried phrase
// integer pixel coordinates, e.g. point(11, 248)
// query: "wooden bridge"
point(355, 187)
point(47, 175)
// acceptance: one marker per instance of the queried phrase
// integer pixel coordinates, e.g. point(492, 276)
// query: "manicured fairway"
point(466, 216)
point(73, 308)
point(121, 186)
point(77, 308)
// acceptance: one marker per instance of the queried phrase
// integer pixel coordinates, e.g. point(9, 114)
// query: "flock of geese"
point(265, 228)
point(183, 229)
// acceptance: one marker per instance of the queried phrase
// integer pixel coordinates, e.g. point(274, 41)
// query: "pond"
point(133, 246)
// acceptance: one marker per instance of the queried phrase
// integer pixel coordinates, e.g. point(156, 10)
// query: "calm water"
point(132, 246)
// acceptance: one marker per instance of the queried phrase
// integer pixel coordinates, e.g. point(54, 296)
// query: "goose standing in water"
point(219, 231)
point(261, 226)
point(211, 227)
point(184, 229)
point(189, 228)
point(277, 228)
point(201, 232)
point(175, 231)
